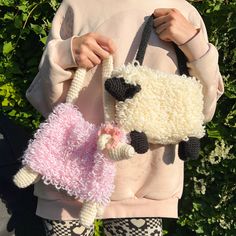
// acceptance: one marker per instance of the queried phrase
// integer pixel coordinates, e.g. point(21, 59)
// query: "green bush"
point(208, 204)
point(24, 28)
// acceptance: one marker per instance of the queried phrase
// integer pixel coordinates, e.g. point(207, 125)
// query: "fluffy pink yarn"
point(64, 152)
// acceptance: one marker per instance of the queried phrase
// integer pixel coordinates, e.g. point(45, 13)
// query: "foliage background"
point(208, 206)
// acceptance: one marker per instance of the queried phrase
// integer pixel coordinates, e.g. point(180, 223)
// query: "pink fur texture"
point(64, 152)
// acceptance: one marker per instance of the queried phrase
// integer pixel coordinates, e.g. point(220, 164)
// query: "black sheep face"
point(120, 90)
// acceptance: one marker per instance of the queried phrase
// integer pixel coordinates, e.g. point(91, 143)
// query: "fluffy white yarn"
point(169, 108)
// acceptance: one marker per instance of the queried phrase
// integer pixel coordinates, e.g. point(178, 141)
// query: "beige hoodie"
point(147, 185)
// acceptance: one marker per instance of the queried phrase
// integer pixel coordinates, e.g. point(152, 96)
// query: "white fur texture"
point(169, 108)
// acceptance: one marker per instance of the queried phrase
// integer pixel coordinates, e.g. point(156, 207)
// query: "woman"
point(84, 33)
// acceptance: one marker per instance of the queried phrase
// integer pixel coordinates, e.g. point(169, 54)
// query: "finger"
point(105, 42)
point(93, 58)
point(165, 35)
point(160, 20)
point(83, 61)
point(162, 28)
point(87, 64)
point(99, 51)
point(86, 53)
point(162, 11)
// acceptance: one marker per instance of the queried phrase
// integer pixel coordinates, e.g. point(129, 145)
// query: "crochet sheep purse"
point(156, 107)
point(64, 153)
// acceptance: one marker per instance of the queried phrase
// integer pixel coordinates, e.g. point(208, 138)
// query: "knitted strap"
point(76, 85)
point(182, 61)
point(144, 40)
point(79, 79)
point(181, 58)
point(108, 100)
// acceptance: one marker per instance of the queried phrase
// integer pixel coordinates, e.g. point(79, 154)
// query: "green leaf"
point(5, 103)
point(196, 206)
point(8, 16)
point(200, 230)
point(214, 134)
point(217, 8)
point(7, 47)
point(43, 40)
point(231, 118)
point(23, 8)
point(18, 23)
point(12, 113)
point(7, 3)
point(38, 29)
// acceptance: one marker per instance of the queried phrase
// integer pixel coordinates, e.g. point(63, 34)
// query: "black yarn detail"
point(139, 141)
point(144, 40)
point(181, 58)
point(120, 90)
point(189, 150)
point(182, 61)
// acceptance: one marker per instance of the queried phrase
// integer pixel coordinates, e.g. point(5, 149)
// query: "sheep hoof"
point(25, 177)
point(189, 150)
point(139, 141)
point(128, 152)
point(121, 152)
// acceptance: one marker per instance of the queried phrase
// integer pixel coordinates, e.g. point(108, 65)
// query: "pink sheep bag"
point(65, 153)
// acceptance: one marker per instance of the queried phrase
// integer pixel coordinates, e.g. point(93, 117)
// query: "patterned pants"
point(112, 227)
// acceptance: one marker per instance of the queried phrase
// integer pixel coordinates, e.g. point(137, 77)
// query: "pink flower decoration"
point(115, 132)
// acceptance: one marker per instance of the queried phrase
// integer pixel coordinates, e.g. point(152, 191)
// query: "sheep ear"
point(119, 89)
point(139, 141)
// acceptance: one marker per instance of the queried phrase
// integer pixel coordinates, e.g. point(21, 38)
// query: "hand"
point(171, 25)
point(90, 49)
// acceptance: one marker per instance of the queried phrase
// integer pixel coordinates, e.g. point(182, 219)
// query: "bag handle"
point(80, 76)
point(181, 58)
point(76, 85)
point(144, 40)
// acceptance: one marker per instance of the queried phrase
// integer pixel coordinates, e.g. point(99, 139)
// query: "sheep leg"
point(189, 150)
point(25, 177)
point(121, 151)
point(139, 141)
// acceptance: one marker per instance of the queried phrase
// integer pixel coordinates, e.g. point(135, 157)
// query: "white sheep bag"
point(155, 107)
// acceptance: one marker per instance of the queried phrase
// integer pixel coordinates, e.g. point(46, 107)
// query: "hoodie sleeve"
point(57, 64)
point(203, 64)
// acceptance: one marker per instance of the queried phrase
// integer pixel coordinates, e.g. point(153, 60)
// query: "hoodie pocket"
point(165, 178)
